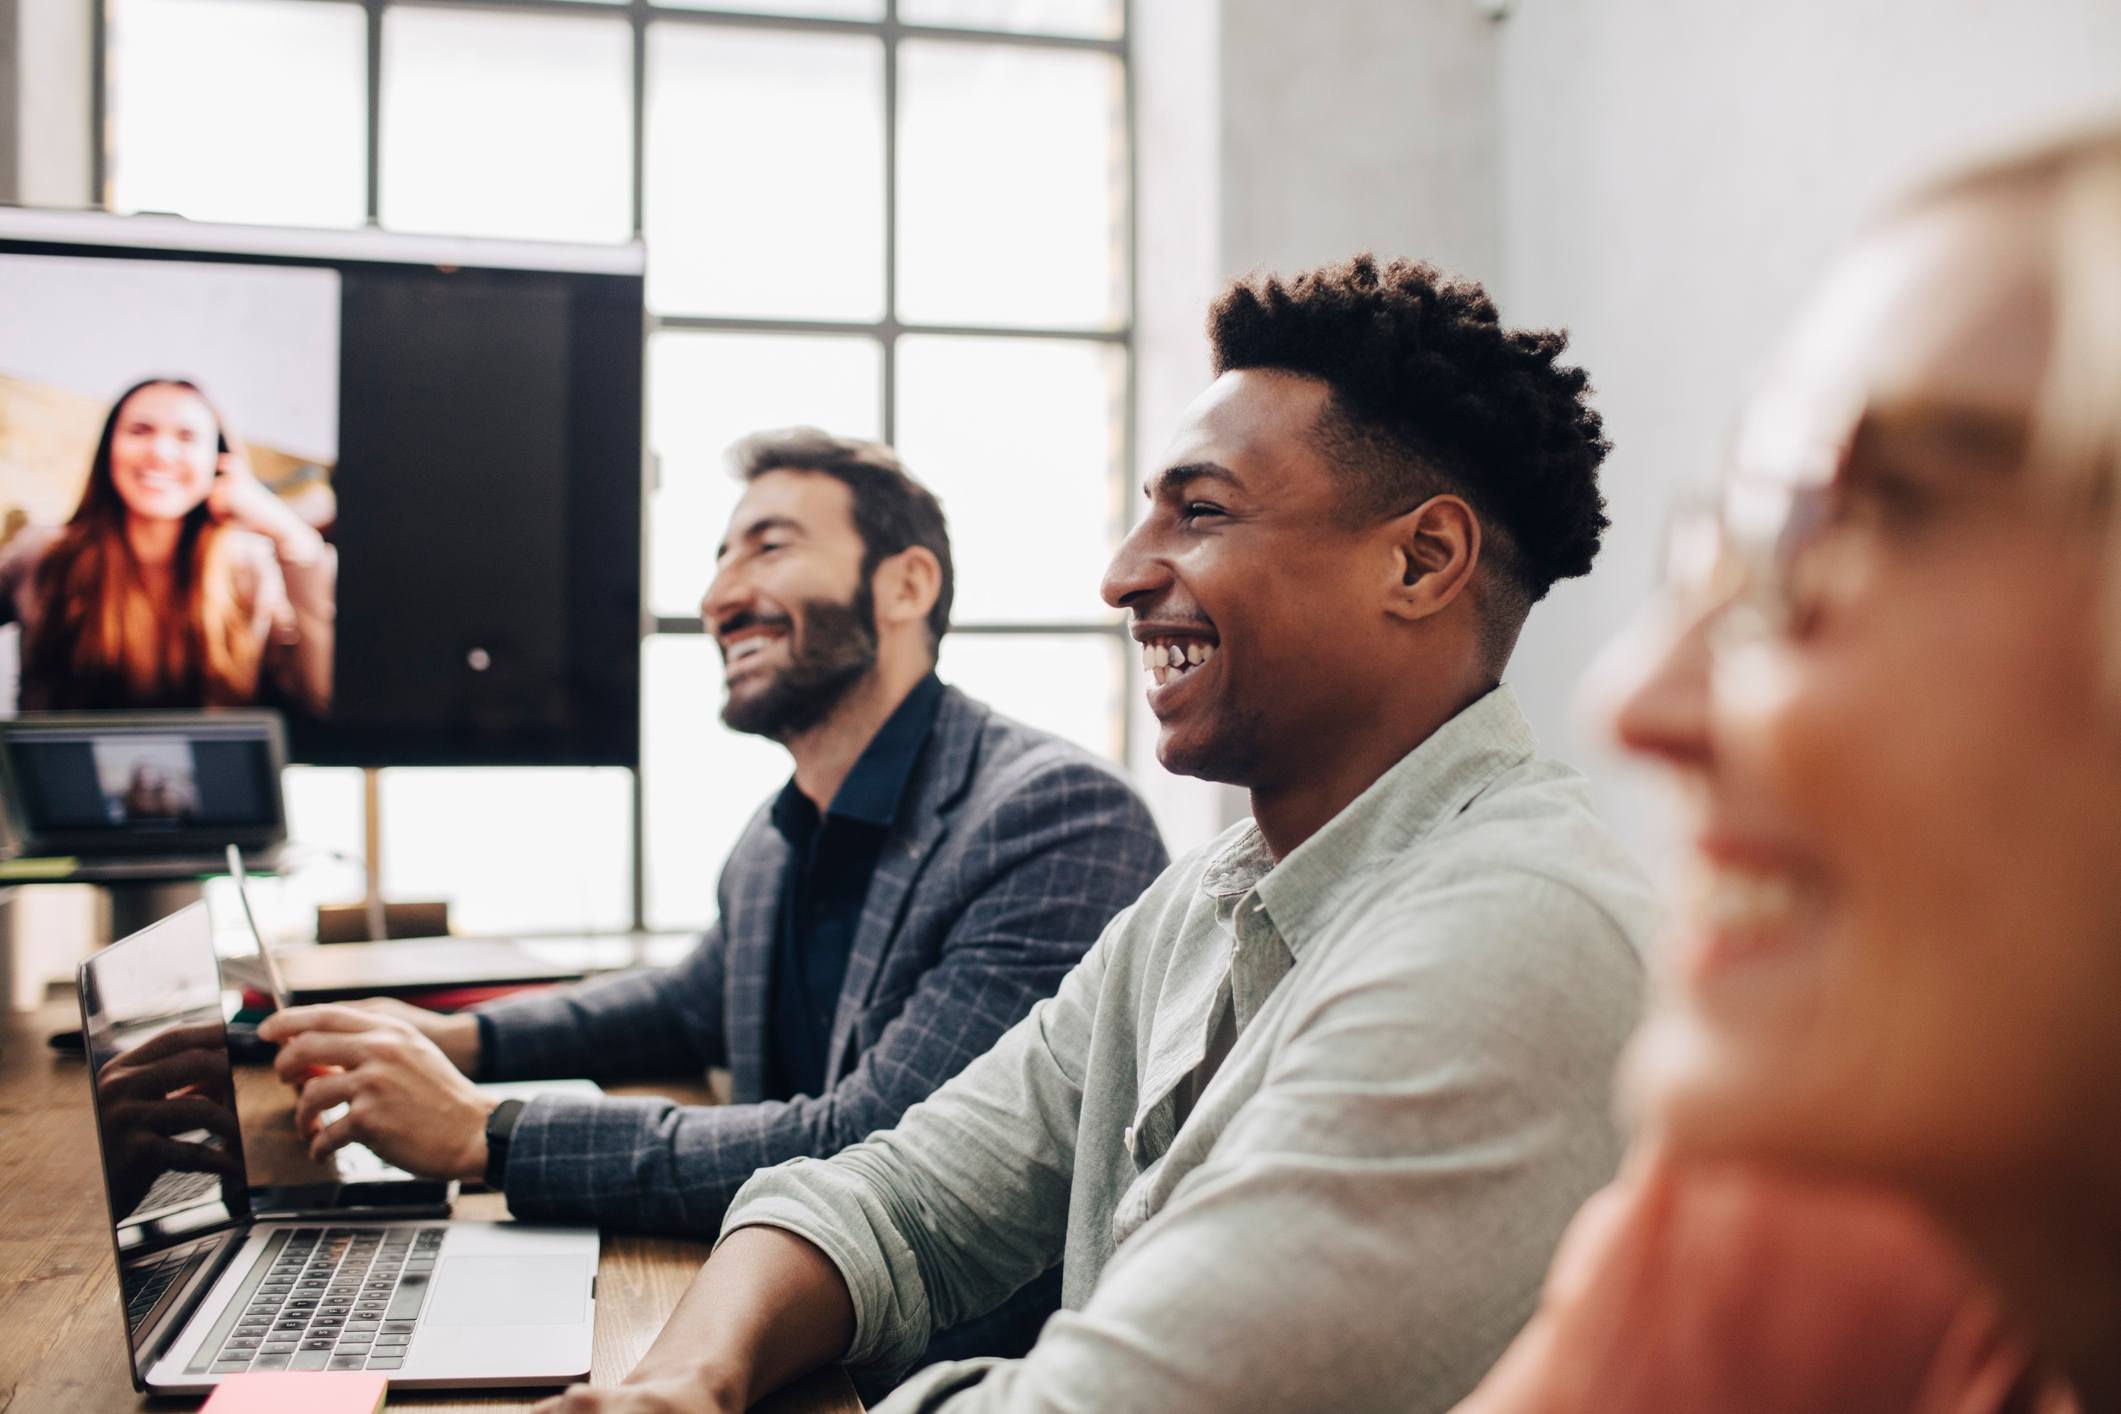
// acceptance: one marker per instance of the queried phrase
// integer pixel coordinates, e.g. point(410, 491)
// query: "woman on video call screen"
point(179, 581)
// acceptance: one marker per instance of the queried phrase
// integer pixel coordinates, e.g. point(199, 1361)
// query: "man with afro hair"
point(1303, 1129)
point(1431, 394)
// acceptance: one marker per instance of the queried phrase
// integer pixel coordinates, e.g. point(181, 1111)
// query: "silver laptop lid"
point(165, 1106)
point(274, 982)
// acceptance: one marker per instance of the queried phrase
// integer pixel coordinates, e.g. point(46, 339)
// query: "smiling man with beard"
point(931, 870)
point(1305, 1126)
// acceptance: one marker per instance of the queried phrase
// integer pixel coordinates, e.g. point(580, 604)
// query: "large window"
point(896, 218)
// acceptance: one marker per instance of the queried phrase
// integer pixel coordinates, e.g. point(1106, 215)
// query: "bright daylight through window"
point(905, 219)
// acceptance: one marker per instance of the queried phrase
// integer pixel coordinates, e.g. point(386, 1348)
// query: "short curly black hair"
point(1430, 393)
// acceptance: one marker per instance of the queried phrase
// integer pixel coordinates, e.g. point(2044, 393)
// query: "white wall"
point(10, 80)
point(1675, 174)
point(1348, 124)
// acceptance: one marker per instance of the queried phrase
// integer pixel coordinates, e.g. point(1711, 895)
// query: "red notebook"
point(289, 1392)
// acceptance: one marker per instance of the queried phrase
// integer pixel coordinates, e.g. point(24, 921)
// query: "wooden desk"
point(61, 1335)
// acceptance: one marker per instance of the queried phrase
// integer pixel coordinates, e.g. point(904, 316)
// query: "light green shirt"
point(1417, 1015)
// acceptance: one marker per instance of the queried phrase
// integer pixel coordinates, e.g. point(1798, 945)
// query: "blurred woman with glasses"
point(1886, 675)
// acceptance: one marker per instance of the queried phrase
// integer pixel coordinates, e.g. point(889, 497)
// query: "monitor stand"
point(136, 903)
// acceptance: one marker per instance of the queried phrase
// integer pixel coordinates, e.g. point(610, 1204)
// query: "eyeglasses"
point(1811, 507)
point(1743, 552)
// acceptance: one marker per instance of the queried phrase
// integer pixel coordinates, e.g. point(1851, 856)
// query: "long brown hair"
point(104, 640)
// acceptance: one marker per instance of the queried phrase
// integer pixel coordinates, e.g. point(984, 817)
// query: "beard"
point(832, 647)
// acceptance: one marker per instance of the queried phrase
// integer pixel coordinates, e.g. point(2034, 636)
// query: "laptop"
point(212, 1289)
point(109, 796)
point(417, 969)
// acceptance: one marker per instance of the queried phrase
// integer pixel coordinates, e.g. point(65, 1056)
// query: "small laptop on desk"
point(413, 968)
point(109, 797)
point(211, 1290)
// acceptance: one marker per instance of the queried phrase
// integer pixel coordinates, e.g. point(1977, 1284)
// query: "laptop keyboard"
point(335, 1299)
point(146, 1282)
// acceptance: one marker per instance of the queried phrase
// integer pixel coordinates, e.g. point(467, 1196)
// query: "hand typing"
point(404, 1098)
point(457, 1033)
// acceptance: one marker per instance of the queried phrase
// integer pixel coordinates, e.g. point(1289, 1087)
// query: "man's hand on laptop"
point(404, 1097)
point(455, 1033)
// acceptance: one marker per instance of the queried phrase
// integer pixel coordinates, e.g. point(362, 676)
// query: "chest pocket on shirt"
point(1141, 1199)
point(1148, 1143)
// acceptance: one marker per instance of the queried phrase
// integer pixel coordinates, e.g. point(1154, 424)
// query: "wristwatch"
point(500, 1128)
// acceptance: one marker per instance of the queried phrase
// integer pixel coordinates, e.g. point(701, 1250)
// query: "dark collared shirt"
point(831, 861)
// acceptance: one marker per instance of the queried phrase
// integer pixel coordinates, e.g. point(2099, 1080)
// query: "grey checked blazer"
point(1011, 852)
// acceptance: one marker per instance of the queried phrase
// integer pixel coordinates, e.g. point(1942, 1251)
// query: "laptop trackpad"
point(510, 1291)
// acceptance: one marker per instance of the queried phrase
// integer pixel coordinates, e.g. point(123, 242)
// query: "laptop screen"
point(165, 1106)
point(143, 783)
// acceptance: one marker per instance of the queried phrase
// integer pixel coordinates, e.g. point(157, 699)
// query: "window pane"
point(1099, 19)
point(507, 124)
point(513, 850)
point(1069, 684)
point(707, 390)
point(1021, 440)
point(704, 782)
point(324, 826)
point(240, 110)
point(765, 173)
point(828, 9)
point(1012, 186)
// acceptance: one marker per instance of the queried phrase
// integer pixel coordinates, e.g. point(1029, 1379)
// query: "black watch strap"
point(500, 1128)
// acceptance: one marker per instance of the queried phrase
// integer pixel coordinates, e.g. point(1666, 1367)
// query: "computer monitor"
point(145, 784)
point(408, 472)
